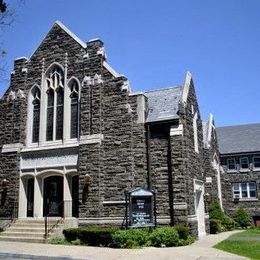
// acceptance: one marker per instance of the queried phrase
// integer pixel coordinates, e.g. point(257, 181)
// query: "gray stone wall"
point(193, 161)
point(209, 153)
point(230, 205)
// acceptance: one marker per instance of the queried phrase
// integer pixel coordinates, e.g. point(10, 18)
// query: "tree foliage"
point(242, 218)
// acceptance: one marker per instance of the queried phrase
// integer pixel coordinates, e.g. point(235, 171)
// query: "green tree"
point(242, 218)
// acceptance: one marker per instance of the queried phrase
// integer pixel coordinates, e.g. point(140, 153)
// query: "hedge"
point(130, 238)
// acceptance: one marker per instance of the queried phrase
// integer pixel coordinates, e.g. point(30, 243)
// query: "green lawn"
point(246, 243)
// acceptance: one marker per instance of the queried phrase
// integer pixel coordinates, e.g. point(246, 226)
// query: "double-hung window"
point(256, 161)
point(244, 164)
point(231, 164)
point(244, 190)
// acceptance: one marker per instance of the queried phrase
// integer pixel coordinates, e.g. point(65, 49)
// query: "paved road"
point(200, 250)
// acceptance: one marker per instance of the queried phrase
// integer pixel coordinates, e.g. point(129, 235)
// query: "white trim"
point(111, 70)
point(113, 202)
point(9, 148)
point(91, 139)
point(186, 86)
point(195, 133)
point(51, 146)
point(94, 40)
point(70, 33)
point(21, 58)
point(176, 130)
point(136, 93)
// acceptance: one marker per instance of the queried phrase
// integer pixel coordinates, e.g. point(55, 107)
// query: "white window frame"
point(234, 160)
point(240, 164)
point(239, 196)
point(255, 168)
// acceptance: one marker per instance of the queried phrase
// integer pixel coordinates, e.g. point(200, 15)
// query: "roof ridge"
point(243, 125)
point(162, 89)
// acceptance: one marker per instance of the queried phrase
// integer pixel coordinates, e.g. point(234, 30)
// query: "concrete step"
point(30, 230)
point(26, 229)
point(22, 234)
point(23, 239)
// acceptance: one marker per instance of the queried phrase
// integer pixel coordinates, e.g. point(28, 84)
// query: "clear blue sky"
point(154, 42)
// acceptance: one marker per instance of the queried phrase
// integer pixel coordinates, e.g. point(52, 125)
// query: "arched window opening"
point(50, 114)
point(59, 114)
point(36, 114)
point(55, 104)
point(74, 114)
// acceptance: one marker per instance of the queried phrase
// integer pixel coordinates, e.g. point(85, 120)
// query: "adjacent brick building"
point(240, 157)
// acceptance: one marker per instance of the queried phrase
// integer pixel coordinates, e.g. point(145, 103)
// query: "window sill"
point(231, 171)
point(244, 170)
point(51, 146)
point(256, 169)
point(245, 199)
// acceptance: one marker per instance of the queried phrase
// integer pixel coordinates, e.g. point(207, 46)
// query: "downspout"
point(148, 155)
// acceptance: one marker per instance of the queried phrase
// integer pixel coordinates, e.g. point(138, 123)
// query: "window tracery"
point(55, 104)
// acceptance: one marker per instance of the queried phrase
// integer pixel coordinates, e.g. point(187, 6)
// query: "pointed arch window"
point(59, 113)
point(55, 104)
point(50, 114)
point(74, 109)
point(36, 114)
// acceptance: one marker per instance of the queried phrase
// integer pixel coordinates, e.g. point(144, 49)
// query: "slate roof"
point(163, 104)
point(239, 139)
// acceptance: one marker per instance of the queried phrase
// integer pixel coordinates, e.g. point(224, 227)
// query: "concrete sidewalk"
point(201, 249)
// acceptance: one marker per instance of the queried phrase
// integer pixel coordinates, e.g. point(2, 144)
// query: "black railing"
point(46, 218)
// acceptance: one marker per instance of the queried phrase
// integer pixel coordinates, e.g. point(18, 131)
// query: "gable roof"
point(163, 104)
point(239, 139)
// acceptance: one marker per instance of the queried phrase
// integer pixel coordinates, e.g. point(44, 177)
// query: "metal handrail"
point(46, 222)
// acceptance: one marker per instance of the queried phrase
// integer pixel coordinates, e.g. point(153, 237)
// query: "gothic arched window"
point(55, 104)
point(74, 109)
point(36, 114)
point(59, 113)
point(50, 114)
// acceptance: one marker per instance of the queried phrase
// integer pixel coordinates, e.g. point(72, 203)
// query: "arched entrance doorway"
point(53, 196)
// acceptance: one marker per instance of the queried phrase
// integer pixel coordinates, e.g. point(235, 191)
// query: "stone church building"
point(74, 138)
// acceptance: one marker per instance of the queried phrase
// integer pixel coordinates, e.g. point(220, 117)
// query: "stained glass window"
point(74, 115)
point(50, 114)
point(36, 115)
point(55, 104)
point(59, 114)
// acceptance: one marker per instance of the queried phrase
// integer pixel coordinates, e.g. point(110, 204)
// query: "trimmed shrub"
point(228, 223)
point(242, 218)
point(218, 220)
point(215, 211)
point(165, 236)
point(96, 236)
point(93, 236)
point(183, 231)
point(71, 234)
point(215, 226)
point(185, 242)
point(131, 238)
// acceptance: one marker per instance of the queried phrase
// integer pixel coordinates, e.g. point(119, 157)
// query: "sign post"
point(141, 208)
